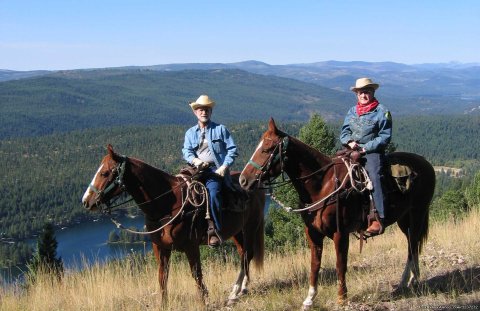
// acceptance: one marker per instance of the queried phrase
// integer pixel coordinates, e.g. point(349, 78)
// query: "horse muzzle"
point(247, 184)
point(91, 204)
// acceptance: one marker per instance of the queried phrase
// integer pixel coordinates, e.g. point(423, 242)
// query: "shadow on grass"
point(326, 277)
point(453, 283)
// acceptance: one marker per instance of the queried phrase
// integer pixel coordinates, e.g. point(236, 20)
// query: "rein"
point(351, 168)
point(188, 199)
point(118, 182)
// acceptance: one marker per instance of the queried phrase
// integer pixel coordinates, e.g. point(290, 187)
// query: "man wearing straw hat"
point(368, 129)
point(210, 147)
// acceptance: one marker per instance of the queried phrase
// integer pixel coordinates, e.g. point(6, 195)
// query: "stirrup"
point(381, 230)
point(213, 234)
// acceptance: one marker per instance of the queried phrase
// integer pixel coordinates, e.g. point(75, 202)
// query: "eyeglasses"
point(364, 91)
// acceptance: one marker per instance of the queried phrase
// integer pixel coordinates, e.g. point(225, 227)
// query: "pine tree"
point(45, 259)
point(318, 135)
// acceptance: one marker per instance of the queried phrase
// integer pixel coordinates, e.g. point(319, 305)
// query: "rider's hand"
point(353, 145)
point(199, 163)
point(221, 170)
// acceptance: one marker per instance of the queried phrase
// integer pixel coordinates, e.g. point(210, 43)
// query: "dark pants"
point(213, 182)
point(374, 167)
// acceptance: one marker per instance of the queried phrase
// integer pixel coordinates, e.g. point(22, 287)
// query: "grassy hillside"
point(449, 279)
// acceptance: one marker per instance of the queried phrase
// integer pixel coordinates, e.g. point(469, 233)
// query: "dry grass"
point(450, 267)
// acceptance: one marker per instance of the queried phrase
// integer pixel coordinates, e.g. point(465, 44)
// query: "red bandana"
point(363, 109)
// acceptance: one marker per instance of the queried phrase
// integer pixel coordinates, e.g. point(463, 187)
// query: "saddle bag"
point(403, 176)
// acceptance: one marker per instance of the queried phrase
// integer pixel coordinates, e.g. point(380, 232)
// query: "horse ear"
point(110, 149)
point(112, 153)
point(272, 126)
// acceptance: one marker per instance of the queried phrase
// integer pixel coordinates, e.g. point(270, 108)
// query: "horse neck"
point(146, 182)
point(302, 167)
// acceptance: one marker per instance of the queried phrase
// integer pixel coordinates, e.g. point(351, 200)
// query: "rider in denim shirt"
point(210, 146)
point(368, 128)
point(220, 143)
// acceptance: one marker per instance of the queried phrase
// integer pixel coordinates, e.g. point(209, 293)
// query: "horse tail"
point(422, 196)
point(259, 239)
point(428, 181)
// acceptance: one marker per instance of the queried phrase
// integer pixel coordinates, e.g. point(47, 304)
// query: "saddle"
point(234, 197)
point(398, 176)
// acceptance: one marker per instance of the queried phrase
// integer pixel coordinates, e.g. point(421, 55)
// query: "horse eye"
point(105, 174)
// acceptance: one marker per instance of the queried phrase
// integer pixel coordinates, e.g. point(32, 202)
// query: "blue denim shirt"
point(372, 130)
point(220, 143)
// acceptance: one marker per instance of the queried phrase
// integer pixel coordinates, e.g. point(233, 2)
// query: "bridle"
point(278, 154)
point(118, 171)
point(117, 183)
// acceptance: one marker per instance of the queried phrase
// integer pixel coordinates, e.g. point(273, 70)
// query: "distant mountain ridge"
point(46, 102)
point(396, 79)
point(428, 79)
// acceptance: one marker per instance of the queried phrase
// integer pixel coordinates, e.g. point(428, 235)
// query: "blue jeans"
point(374, 167)
point(213, 182)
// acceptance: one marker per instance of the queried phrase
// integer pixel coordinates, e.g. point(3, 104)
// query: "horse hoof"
point(342, 300)
point(306, 307)
point(231, 302)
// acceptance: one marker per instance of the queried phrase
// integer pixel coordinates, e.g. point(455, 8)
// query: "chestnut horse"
point(317, 177)
point(176, 223)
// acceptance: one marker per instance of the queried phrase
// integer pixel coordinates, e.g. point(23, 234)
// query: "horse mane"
point(152, 169)
point(315, 154)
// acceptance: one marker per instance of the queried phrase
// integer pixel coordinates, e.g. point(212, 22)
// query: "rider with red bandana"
point(368, 128)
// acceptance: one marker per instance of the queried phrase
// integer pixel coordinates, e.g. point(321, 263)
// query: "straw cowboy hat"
point(202, 102)
point(363, 83)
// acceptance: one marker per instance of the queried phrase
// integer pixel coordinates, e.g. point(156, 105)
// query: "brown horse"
point(176, 223)
point(316, 177)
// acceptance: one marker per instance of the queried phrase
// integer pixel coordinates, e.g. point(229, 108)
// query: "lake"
point(86, 243)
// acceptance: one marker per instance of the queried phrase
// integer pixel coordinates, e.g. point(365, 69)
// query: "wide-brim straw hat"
point(202, 102)
point(363, 83)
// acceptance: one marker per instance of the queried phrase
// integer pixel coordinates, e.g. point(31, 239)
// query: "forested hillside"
point(45, 177)
point(74, 100)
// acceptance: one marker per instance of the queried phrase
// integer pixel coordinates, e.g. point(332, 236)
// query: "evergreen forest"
point(45, 177)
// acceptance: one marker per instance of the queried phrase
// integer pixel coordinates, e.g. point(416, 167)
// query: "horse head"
point(267, 162)
point(107, 182)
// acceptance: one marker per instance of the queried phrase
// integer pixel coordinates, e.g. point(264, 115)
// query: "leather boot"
point(213, 239)
point(376, 227)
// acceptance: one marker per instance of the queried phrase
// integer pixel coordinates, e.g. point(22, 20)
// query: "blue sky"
point(67, 34)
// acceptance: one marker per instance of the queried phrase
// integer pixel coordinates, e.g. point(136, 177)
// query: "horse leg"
point(411, 273)
point(341, 248)
point(163, 258)
point(193, 256)
point(316, 250)
point(241, 284)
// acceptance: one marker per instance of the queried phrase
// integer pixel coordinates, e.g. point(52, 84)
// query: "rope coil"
point(195, 189)
point(356, 183)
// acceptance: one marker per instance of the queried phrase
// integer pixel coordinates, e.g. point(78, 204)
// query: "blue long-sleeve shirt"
point(372, 130)
point(220, 144)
